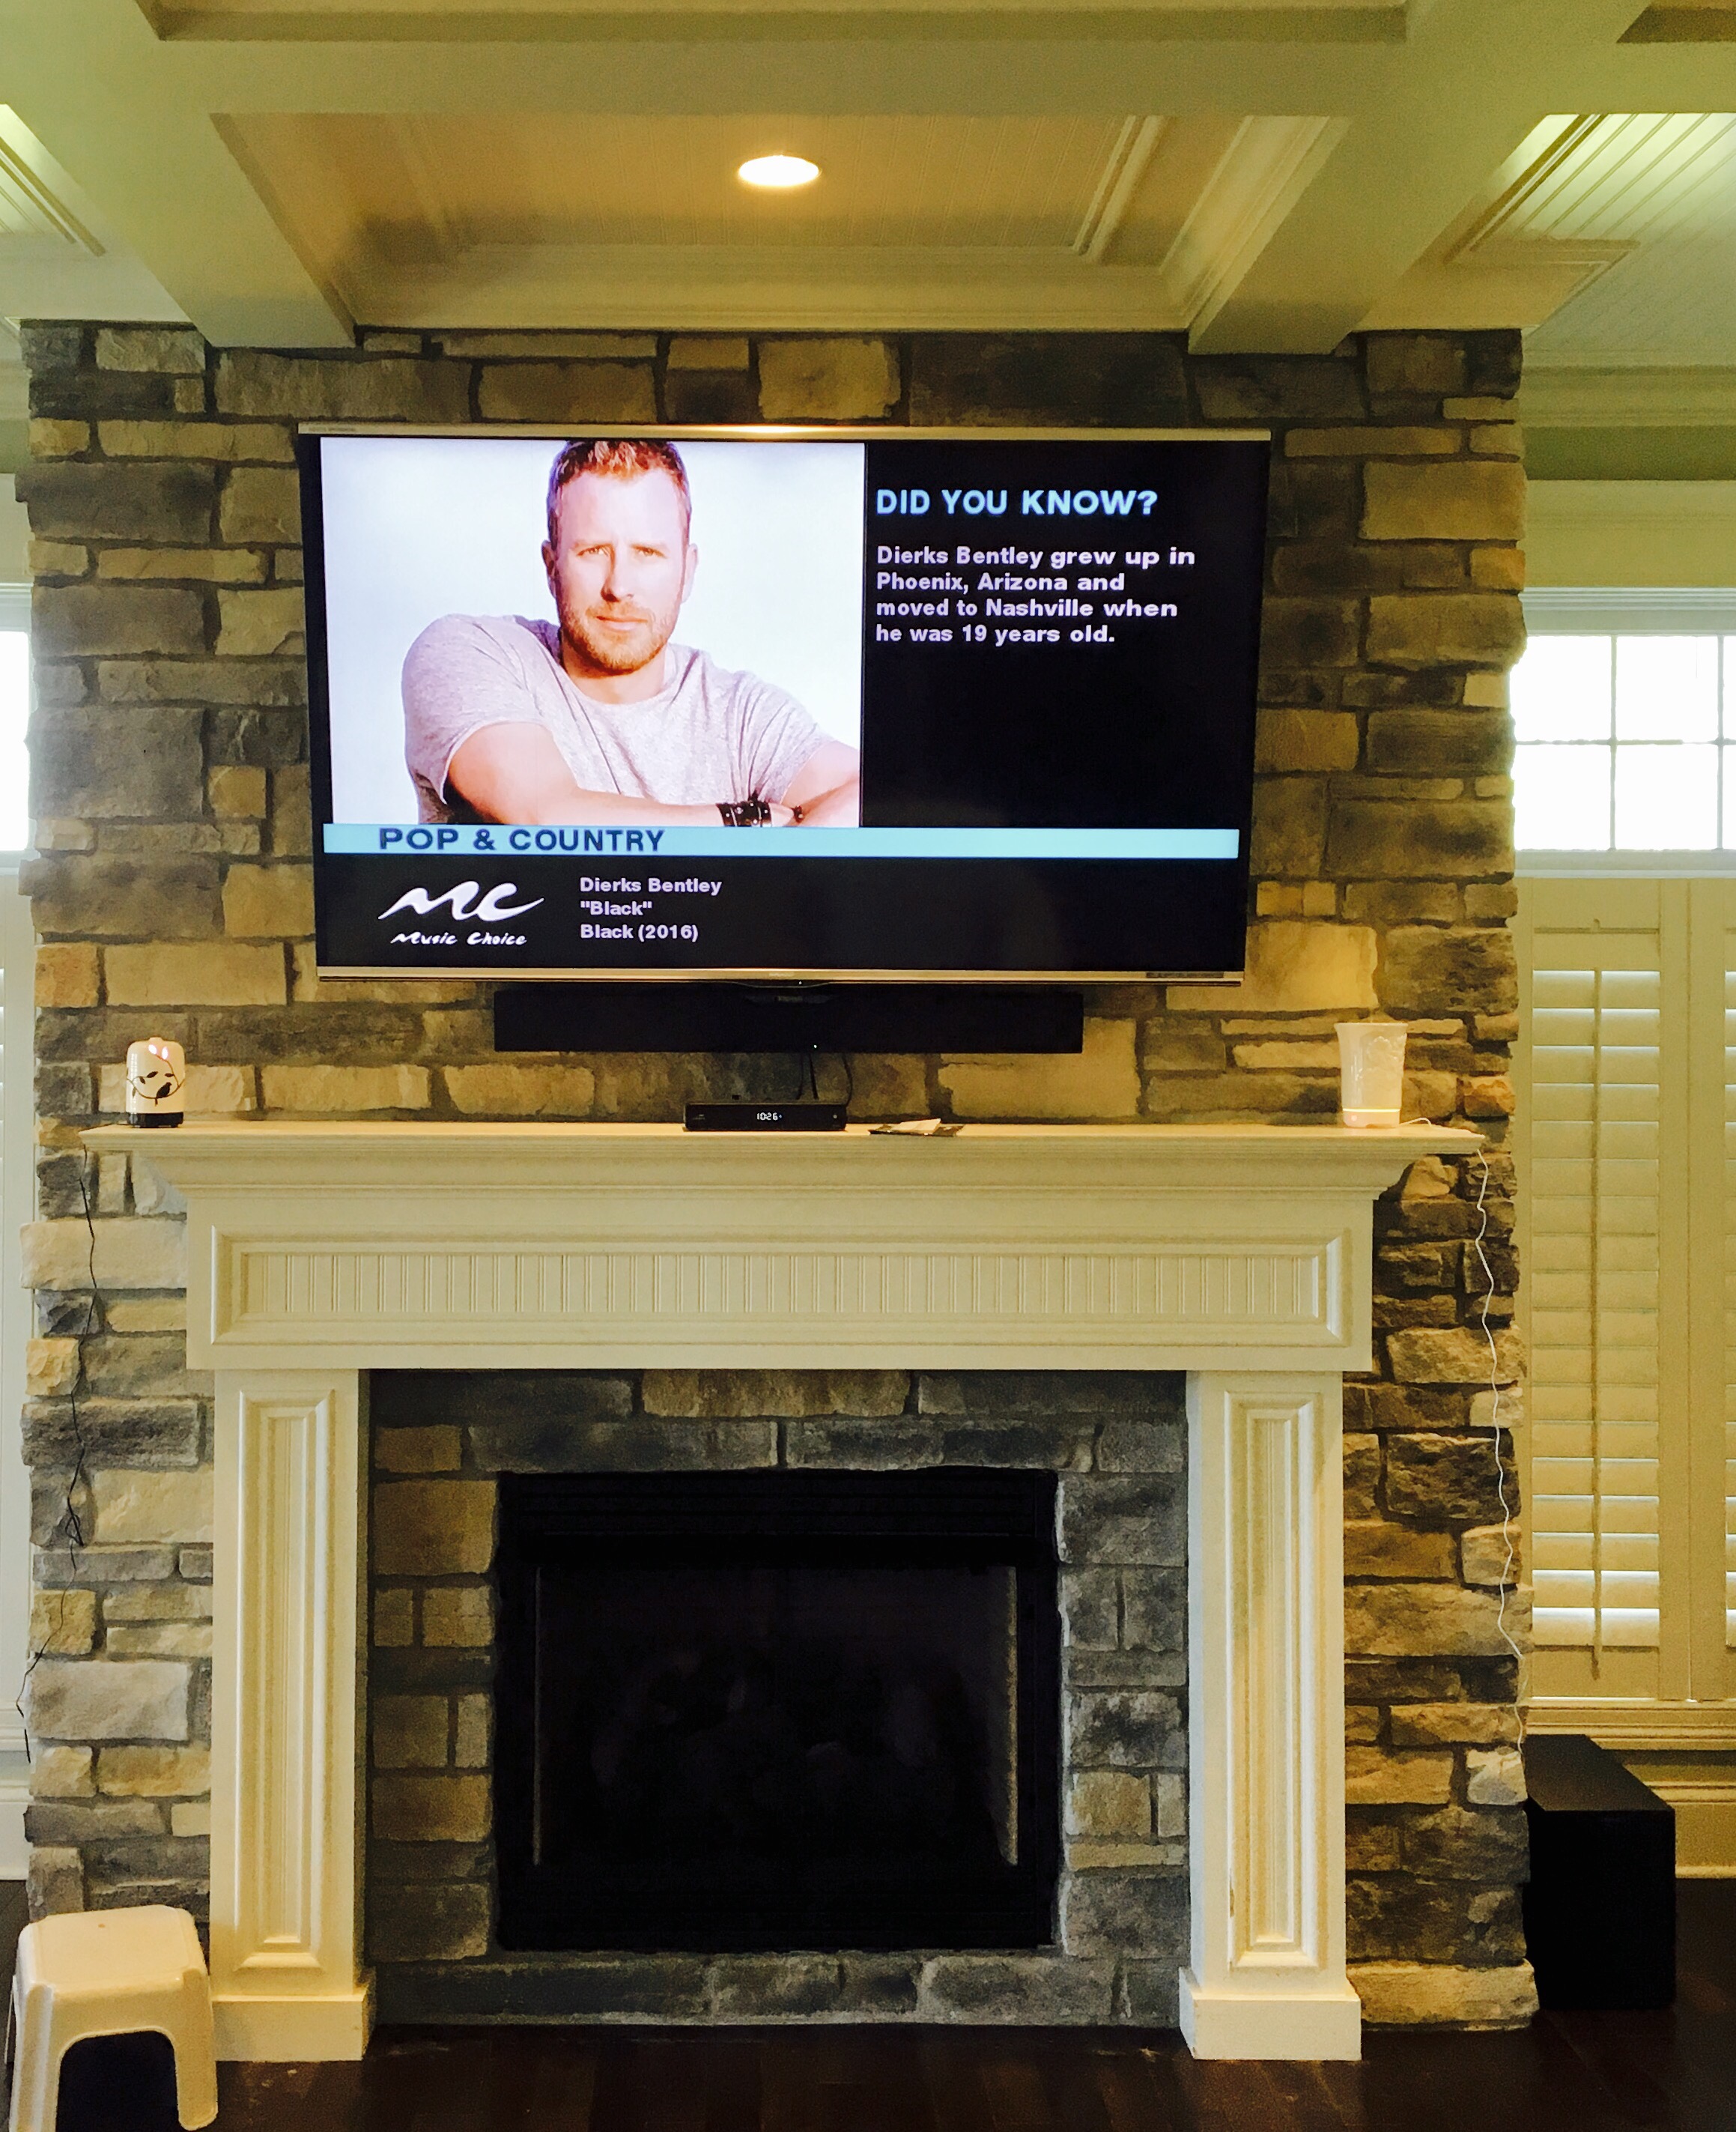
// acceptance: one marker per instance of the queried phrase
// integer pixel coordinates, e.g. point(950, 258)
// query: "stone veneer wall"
point(173, 895)
point(1119, 1441)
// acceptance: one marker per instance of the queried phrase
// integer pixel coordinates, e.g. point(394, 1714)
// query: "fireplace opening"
point(741, 1711)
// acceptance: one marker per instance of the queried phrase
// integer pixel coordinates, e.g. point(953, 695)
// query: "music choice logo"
point(465, 904)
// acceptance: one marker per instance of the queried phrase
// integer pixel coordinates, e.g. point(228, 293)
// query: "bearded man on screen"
point(602, 718)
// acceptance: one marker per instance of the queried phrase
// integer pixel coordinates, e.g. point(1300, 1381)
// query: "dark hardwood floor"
point(1579, 2072)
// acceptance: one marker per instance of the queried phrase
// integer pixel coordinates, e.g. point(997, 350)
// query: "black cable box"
point(765, 1117)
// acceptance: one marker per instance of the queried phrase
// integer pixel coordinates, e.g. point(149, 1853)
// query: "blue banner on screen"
point(495, 838)
point(988, 703)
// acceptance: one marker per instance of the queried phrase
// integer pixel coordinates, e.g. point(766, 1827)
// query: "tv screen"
point(726, 703)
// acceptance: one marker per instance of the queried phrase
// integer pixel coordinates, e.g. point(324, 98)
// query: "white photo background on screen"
point(418, 527)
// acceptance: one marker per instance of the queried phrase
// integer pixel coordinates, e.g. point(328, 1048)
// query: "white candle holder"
point(1370, 1072)
point(157, 1078)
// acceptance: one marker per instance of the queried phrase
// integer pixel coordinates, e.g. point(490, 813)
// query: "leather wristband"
point(744, 814)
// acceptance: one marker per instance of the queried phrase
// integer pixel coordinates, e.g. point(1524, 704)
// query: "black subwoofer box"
point(1600, 1907)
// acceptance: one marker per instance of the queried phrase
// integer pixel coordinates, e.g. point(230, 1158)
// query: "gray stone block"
point(57, 1882)
point(900, 1444)
point(1460, 1843)
point(52, 1569)
point(1132, 1518)
point(405, 1669)
point(997, 1394)
point(711, 396)
point(125, 1892)
point(1035, 1990)
point(183, 1859)
point(647, 1987)
point(107, 1699)
point(1137, 1444)
point(63, 1314)
point(101, 898)
point(178, 349)
point(48, 348)
point(72, 621)
point(85, 1820)
point(1244, 388)
point(1445, 1479)
point(1149, 1996)
point(1128, 1729)
point(1056, 1446)
point(1119, 1912)
point(261, 503)
point(747, 1987)
point(1089, 1668)
point(496, 1397)
point(138, 1364)
point(532, 1445)
point(1090, 1609)
point(258, 714)
point(196, 1563)
point(1154, 1609)
point(1115, 379)
point(408, 1865)
point(152, 500)
point(330, 388)
point(111, 1432)
point(105, 765)
point(430, 1923)
point(878, 1987)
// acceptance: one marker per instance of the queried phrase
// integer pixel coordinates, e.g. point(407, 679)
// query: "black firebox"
point(778, 1710)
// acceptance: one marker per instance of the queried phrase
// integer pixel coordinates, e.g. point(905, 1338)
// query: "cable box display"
point(714, 703)
point(766, 1117)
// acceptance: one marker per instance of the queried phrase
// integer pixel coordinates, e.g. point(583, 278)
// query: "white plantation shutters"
point(1628, 1233)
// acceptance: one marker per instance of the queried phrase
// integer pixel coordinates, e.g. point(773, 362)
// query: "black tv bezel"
point(313, 533)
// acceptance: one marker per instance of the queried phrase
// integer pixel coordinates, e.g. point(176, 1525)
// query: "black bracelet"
point(744, 814)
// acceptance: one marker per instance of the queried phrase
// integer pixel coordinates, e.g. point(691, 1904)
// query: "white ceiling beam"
point(1479, 74)
point(102, 94)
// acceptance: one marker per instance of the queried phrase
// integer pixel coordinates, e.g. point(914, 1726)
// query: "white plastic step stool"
point(110, 1973)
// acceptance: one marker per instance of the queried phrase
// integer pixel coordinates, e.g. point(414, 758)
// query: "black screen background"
point(1155, 730)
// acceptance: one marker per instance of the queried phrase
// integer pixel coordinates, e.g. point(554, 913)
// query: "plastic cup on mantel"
point(1370, 1072)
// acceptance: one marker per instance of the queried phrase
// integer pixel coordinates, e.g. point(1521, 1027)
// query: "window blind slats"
point(1593, 1186)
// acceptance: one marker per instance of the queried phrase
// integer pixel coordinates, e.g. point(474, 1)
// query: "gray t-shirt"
point(708, 735)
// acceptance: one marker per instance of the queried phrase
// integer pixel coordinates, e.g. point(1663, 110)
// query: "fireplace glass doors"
point(778, 1710)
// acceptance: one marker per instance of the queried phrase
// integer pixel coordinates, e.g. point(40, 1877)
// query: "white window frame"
point(1663, 611)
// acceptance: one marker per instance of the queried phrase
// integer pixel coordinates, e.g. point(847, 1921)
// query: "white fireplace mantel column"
point(1241, 1255)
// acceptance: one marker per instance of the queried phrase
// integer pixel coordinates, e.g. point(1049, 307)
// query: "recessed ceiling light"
point(779, 172)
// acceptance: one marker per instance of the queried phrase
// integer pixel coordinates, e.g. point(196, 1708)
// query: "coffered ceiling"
point(1267, 175)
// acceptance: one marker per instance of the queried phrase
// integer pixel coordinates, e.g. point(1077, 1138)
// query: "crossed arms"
point(515, 773)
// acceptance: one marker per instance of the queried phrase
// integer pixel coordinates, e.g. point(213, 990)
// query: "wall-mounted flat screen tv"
point(733, 702)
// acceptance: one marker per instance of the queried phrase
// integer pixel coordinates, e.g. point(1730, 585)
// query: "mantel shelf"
point(463, 1246)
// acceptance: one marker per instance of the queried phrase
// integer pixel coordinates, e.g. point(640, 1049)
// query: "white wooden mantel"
point(1241, 1255)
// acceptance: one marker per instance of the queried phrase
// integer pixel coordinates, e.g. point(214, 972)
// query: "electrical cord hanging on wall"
point(69, 1527)
point(1478, 1242)
point(1494, 1411)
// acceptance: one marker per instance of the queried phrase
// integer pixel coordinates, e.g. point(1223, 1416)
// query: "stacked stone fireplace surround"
point(173, 895)
point(1117, 1440)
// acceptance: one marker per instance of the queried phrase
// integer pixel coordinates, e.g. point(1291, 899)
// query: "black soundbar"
point(790, 1017)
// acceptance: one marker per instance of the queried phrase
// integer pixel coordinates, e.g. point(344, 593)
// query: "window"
point(1625, 725)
